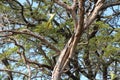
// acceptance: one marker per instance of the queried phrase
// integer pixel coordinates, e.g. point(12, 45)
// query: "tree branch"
point(62, 4)
point(23, 57)
point(21, 11)
point(110, 5)
point(93, 15)
point(7, 65)
point(40, 65)
point(27, 32)
point(6, 70)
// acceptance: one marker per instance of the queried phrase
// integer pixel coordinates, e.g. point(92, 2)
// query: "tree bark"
point(68, 51)
point(65, 56)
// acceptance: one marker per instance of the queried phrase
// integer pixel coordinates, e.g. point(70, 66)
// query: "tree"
point(53, 39)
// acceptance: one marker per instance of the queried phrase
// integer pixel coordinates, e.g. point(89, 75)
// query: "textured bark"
point(65, 56)
point(68, 51)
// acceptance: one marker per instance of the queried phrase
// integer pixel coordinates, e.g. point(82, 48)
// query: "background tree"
point(53, 39)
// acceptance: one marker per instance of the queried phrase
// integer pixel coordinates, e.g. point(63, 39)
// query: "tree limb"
point(110, 4)
point(13, 72)
point(27, 32)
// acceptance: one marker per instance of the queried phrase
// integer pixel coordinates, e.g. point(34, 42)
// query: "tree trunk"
point(65, 56)
point(68, 51)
